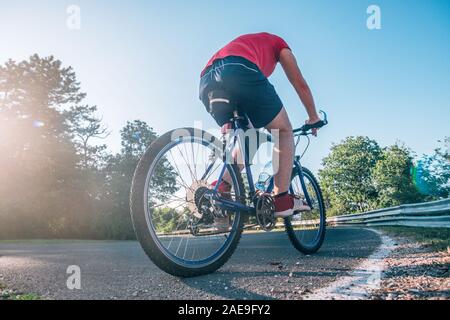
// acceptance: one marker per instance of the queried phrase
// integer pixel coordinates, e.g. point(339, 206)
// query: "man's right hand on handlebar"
point(313, 121)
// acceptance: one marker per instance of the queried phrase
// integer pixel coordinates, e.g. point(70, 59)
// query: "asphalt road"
point(265, 266)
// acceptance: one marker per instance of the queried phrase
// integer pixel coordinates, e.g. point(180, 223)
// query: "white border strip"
point(363, 280)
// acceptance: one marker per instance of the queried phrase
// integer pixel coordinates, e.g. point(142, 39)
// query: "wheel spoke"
point(212, 171)
point(182, 235)
point(187, 163)
point(185, 184)
point(166, 203)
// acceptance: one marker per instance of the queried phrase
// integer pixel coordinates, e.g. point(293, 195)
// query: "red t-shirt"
point(263, 49)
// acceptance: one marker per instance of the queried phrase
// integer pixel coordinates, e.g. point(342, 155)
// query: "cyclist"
point(241, 69)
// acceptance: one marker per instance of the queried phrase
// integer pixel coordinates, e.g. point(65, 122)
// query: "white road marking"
point(365, 278)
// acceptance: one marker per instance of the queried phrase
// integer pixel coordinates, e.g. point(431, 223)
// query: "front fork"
point(299, 171)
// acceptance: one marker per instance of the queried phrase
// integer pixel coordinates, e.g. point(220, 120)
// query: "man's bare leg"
point(283, 156)
point(283, 160)
point(283, 151)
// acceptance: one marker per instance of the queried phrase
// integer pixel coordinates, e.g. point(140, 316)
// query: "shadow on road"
point(266, 266)
point(208, 284)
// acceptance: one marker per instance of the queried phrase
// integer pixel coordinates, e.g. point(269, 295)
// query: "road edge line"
point(364, 279)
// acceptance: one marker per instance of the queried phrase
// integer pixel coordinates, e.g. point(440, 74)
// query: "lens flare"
point(418, 176)
point(38, 124)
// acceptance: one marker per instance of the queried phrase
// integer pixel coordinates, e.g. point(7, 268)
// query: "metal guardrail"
point(435, 214)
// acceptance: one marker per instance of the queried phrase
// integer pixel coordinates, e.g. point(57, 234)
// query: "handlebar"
point(305, 129)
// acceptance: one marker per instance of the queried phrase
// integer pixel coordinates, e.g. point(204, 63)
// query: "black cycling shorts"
point(246, 86)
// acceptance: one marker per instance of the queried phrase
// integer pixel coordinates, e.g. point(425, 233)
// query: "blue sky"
point(142, 59)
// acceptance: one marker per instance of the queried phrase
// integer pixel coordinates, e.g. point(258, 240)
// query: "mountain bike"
point(174, 206)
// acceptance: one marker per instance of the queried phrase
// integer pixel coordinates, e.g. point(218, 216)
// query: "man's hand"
point(313, 121)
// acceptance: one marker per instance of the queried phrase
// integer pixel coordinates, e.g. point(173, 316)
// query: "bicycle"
point(175, 227)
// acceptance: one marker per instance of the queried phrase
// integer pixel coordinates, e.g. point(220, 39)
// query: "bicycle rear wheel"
point(306, 230)
point(172, 218)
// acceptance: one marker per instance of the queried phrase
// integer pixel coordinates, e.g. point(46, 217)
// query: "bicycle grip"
point(317, 125)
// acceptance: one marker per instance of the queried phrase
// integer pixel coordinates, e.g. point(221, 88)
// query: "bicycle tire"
point(308, 249)
point(140, 223)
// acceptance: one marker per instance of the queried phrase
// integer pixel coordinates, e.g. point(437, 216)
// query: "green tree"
point(38, 158)
point(165, 219)
point(432, 172)
point(346, 176)
point(85, 126)
point(392, 178)
point(136, 138)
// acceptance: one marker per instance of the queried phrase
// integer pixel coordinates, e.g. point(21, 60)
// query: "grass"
point(27, 297)
point(5, 295)
point(437, 239)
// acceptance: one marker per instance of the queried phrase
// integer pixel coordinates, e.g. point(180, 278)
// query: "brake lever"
point(323, 122)
point(325, 118)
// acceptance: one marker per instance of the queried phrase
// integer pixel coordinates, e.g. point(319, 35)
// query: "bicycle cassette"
point(195, 195)
point(265, 212)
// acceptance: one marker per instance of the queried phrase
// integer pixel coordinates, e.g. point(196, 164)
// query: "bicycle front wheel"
point(173, 217)
point(306, 230)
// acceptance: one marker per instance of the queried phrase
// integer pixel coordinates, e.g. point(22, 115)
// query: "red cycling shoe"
point(287, 204)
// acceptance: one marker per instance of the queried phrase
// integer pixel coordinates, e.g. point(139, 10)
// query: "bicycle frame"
point(237, 138)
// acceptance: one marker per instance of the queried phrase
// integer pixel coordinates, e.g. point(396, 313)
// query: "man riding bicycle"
point(193, 227)
point(241, 69)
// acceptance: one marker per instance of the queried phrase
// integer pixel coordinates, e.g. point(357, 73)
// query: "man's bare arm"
point(290, 66)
